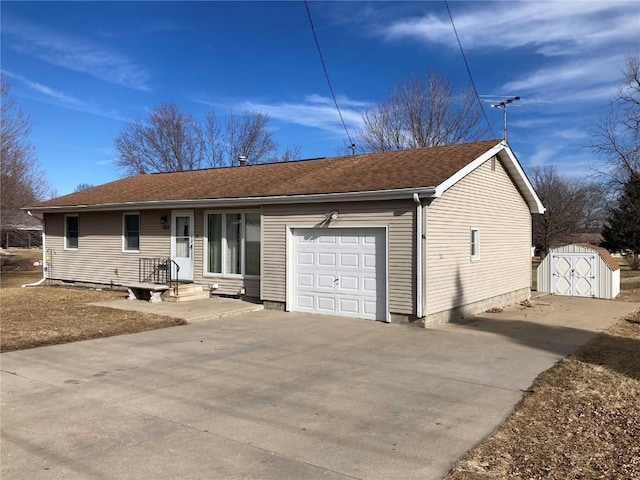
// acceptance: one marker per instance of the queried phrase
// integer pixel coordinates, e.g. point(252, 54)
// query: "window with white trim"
point(475, 244)
point(71, 232)
point(232, 244)
point(131, 232)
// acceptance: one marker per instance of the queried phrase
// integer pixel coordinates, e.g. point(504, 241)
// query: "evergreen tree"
point(621, 233)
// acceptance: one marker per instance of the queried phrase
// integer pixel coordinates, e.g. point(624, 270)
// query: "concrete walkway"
point(191, 311)
point(273, 395)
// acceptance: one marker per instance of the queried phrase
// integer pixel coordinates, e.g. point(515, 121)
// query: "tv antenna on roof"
point(503, 105)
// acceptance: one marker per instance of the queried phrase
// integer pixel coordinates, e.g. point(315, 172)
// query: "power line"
point(464, 57)
point(326, 74)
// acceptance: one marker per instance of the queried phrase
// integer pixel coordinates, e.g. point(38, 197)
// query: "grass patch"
point(36, 316)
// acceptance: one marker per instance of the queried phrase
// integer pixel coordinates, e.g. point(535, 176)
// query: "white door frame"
point(186, 264)
point(289, 262)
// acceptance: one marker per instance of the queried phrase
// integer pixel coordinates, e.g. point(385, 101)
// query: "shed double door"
point(573, 274)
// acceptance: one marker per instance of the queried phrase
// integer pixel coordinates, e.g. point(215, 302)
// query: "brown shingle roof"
point(424, 167)
point(604, 253)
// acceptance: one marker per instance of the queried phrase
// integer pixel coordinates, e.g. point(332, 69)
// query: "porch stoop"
point(186, 292)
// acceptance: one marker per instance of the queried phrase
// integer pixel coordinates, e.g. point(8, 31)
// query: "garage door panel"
point(327, 239)
point(350, 283)
point(369, 261)
point(305, 280)
point(327, 304)
point(349, 260)
point(327, 259)
point(348, 268)
point(306, 239)
point(349, 306)
point(349, 239)
point(369, 308)
point(305, 258)
point(326, 281)
point(369, 284)
point(306, 302)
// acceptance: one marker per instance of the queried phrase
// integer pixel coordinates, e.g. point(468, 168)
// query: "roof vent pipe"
point(242, 160)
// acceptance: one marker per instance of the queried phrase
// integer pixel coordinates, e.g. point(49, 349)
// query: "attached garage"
point(339, 271)
point(579, 270)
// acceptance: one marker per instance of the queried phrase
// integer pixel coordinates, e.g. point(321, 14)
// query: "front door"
point(182, 245)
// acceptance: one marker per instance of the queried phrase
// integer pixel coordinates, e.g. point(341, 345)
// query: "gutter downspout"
point(416, 198)
point(44, 254)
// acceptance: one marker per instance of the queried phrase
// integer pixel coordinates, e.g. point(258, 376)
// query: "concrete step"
point(187, 292)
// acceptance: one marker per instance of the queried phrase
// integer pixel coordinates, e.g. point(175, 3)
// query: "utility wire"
point(326, 74)
point(464, 57)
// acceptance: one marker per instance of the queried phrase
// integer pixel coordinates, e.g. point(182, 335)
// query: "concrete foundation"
point(271, 305)
point(471, 309)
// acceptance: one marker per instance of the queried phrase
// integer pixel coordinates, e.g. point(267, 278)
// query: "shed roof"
point(603, 252)
point(371, 172)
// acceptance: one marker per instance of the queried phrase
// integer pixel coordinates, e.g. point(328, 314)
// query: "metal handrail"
point(159, 271)
point(177, 280)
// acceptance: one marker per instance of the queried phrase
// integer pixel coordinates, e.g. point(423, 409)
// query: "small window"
point(475, 244)
point(131, 232)
point(71, 232)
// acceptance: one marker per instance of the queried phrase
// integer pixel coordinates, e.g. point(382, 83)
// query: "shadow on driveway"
point(561, 325)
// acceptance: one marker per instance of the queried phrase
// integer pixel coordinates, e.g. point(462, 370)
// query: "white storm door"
point(182, 244)
point(340, 271)
point(573, 275)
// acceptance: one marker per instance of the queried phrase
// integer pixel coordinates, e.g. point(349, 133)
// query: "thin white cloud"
point(552, 28)
point(597, 74)
point(45, 90)
point(76, 54)
point(571, 134)
point(55, 97)
point(313, 111)
point(542, 155)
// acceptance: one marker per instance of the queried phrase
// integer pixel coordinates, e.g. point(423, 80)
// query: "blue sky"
point(81, 70)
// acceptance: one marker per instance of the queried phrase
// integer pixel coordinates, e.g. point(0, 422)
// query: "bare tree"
point(422, 112)
point(22, 180)
point(290, 154)
point(82, 186)
point(572, 206)
point(213, 142)
point(247, 135)
point(617, 138)
point(170, 141)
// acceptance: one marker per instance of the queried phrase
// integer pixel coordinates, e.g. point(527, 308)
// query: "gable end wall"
point(486, 199)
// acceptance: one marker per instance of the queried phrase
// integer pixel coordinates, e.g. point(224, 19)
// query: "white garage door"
point(573, 274)
point(340, 271)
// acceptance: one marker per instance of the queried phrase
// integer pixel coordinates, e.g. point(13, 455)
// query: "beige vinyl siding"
point(99, 257)
point(226, 285)
point(396, 215)
point(608, 280)
point(486, 199)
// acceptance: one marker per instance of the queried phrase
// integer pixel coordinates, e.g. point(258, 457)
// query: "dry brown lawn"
point(580, 419)
point(36, 316)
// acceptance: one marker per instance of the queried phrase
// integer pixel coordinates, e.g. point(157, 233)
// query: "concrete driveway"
point(272, 395)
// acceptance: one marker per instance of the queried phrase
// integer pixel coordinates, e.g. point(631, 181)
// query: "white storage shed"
point(579, 270)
